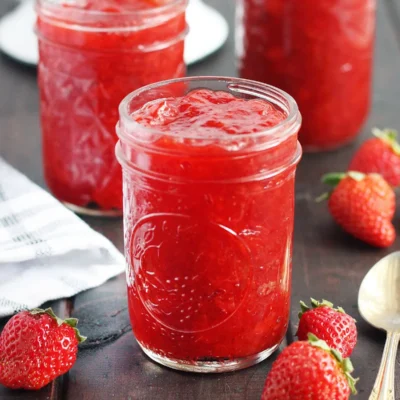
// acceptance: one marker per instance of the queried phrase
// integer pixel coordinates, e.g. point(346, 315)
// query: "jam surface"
point(208, 230)
point(209, 114)
point(83, 76)
point(320, 52)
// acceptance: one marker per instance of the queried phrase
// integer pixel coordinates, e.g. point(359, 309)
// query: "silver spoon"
point(379, 304)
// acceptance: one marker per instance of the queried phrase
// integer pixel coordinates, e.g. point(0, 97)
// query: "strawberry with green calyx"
point(363, 205)
point(310, 370)
point(380, 154)
point(330, 324)
point(36, 347)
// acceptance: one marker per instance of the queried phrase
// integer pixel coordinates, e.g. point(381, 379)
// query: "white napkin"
point(46, 251)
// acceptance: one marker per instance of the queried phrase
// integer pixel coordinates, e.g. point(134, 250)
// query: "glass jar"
point(208, 232)
point(318, 51)
point(90, 58)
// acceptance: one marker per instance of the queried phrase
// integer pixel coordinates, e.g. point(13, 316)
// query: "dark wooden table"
point(327, 262)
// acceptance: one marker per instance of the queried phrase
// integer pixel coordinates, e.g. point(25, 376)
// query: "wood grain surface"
point(327, 262)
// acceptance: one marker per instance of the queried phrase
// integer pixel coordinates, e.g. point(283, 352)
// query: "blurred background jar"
point(320, 52)
point(92, 53)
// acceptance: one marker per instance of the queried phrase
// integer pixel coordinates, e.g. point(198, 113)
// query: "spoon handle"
point(384, 384)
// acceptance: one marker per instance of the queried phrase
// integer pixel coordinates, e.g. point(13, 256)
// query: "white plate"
point(208, 32)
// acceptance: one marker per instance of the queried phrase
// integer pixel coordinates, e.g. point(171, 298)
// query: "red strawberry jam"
point(92, 53)
point(208, 206)
point(319, 51)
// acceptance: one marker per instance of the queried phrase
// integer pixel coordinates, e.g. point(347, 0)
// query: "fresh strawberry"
point(332, 325)
point(363, 205)
point(380, 155)
point(309, 370)
point(37, 347)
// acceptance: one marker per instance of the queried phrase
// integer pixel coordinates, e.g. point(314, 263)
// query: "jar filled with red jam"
point(92, 53)
point(319, 51)
point(208, 170)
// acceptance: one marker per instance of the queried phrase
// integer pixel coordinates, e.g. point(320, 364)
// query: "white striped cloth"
point(46, 251)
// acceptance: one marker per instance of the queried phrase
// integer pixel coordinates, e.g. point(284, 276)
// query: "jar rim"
point(235, 85)
point(81, 19)
point(172, 4)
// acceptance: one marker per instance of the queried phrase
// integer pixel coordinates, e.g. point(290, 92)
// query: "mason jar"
point(208, 223)
point(91, 55)
point(320, 52)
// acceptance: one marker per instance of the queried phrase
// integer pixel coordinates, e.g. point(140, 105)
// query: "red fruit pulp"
point(318, 51)
point(208, 230)
point(88, 63)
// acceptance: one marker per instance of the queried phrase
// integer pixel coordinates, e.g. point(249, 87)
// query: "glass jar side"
point(333, 88)
point(80, 90)
point(208, 238)
point(209, 268)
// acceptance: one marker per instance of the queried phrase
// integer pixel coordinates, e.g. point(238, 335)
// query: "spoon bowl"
point(379, 295)
point(379, 305)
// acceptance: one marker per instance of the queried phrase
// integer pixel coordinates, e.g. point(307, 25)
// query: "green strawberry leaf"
point(345, 364)
point(316, 304)
point(303, 308)
point(389, 136)
point(333, 178)
point(72, 322)
point(314, 341)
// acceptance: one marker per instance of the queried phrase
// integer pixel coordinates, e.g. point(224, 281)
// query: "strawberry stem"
point(314, 341)
point(72, 322)
point(389, 136)
point(315, 304)
point(345, 364)
point(334, 178)
point(331, 179)
point(357, 176)
point(323, 197)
